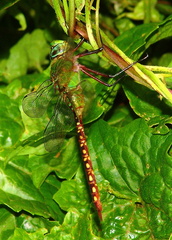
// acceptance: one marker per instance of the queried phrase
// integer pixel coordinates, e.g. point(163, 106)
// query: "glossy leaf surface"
point(45, 195)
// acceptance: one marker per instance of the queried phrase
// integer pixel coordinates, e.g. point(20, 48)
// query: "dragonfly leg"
point(89, 53)
point(87, 71)
point(94, 71)
point(126, 68)
point(79, 44)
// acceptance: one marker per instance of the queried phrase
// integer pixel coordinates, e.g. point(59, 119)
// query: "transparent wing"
point(35, 104)
point(61, 123)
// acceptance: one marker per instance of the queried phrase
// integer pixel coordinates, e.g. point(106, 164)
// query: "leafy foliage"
point(44, 195)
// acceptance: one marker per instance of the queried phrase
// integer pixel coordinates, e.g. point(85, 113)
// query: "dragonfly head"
point(58, 48)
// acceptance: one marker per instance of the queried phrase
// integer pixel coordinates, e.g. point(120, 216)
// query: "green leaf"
point(132, 218)
point(21, 234)
point(72, 195)
point(74, 227)
point(136, 164)
point(10, 128)
point(28, 53)
point(153, 106)
point(7, 224)
point(21, 194)
point(121, 116)
point(147, 34)
point(145, 8)
point(43, 165)
point(46, 195)
point(160, 124)
point(4, 4)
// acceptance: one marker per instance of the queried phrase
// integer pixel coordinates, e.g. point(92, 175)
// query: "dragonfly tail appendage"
point(88, 167)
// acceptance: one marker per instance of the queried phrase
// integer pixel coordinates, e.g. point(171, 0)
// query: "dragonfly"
point(65, 86)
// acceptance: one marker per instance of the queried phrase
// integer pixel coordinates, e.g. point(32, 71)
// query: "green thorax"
point(65, 75)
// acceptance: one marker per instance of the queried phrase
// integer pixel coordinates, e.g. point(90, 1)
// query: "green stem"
point(140, 74)
point(159, 69)
point(71, 17)
point(115, 48)
point(88, 24)
point(66, 9)
point(147, 11)
point(97, 23)
point(57, 5)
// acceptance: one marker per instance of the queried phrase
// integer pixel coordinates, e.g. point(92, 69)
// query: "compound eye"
point(58, 49)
